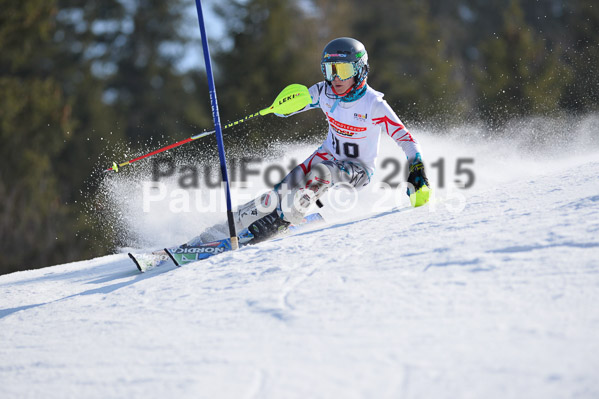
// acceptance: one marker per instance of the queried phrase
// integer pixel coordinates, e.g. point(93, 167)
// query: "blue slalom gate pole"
point(217, 126)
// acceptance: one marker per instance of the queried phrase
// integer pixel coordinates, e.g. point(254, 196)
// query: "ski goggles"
point(343, 70)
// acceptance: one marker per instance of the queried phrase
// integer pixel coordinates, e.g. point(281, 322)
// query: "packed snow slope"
point(490, 292)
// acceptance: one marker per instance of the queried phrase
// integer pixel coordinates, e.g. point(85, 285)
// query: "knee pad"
point(296, 201)
point(319, 178)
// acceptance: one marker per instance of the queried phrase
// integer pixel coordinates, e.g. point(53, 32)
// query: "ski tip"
point(135, 261)
point(172, 257)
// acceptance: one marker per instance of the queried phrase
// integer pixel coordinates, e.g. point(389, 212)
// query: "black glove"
point(417, 177)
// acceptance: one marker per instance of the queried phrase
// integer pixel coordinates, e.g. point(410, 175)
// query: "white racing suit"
point(347, 156)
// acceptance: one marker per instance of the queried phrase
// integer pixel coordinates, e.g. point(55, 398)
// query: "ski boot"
point(243, 217)
point(268, 227)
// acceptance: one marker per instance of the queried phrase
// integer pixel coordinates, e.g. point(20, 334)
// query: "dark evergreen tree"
point(408, 58)
point(273, 43)
point(77, 79)
point(581, 18)
point(518, 75)
point(34, 125)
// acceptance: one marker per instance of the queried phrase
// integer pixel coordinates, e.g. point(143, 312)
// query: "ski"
point(184, 254)
point(145, 262)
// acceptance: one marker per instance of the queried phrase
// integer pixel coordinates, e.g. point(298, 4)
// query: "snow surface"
point(491, 292)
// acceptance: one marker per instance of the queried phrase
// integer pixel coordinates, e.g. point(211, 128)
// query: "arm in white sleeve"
point(390, 124)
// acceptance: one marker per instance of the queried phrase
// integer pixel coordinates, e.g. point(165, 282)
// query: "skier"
point(357, 114)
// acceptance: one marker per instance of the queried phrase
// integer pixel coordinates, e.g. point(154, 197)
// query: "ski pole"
point(293, 98)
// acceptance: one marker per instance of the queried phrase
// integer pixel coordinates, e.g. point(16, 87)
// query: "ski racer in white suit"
point(357, 115)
